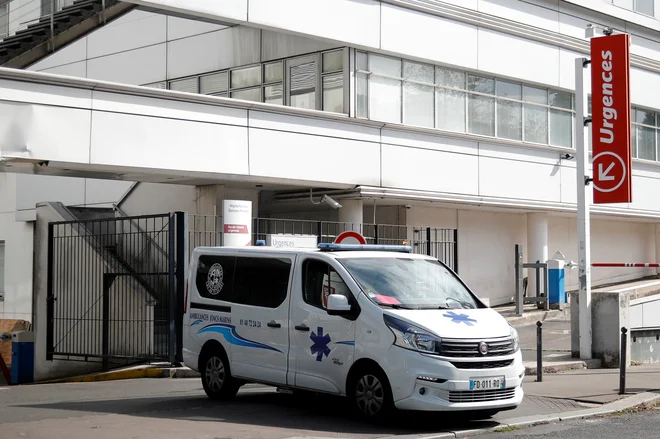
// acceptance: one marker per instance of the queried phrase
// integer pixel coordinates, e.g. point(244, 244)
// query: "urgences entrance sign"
point(611, 118)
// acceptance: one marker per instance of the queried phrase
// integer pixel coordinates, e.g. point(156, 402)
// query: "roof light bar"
point(365, 247)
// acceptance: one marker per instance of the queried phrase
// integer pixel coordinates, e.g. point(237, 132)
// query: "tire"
point(371, 395)
point(216, 376)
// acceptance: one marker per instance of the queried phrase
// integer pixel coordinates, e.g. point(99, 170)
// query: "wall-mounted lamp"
point(325, 199)
point(567, 156)
point(592, 30)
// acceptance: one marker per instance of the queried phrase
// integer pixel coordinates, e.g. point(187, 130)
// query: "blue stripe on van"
point(347, 343)
point(196, 322)
point(229, 333)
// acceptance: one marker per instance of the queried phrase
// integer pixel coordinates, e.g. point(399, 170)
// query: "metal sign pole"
point(583, 220)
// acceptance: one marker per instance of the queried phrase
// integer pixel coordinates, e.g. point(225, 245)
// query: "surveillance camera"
point(330, 202)
point(408, 206)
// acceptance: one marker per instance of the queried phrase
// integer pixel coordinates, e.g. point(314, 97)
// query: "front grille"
point(481, 395)
point(481, 364)
point(458, 348)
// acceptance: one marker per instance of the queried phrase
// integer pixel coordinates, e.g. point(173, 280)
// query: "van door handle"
point(274, 324)
point(302, 328)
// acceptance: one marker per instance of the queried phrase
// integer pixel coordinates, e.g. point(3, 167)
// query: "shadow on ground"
point(303, 412)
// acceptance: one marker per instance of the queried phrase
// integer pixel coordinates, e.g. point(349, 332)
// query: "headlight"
point(411, 337)
point(516, 341)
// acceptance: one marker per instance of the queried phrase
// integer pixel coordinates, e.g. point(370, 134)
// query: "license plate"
point(487, 383)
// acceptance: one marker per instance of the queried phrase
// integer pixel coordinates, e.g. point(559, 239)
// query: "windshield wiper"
point(396, 306)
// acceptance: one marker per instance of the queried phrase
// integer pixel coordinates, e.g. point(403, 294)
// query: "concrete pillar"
point(352, 212)
point(537, 246)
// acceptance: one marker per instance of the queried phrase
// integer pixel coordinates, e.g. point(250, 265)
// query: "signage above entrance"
point(350, 237)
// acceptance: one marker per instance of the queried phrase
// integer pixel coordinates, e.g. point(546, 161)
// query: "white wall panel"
point(136, 67)
point(518, 58)
point(352, 21)
point(429, 38)
point(44, 132)
point(33, 189)
point(422, 169)
point(98, 191)
point(521, 180)
point(24, 92)
point(178, 28)
point(283, 122)
point(522, 12)
point(645, 193)
point(567, 69)
point(218, 50)
point(432, 217)
point(509, 152)
point(313, 158)
point(427, 141)
point(235, 10)
point(173, 109)
point(573, 20)
point(641, 83)
point(150, 142)
point(77, 69)
point(276, 45)
point(131, 31)
point(74, 52)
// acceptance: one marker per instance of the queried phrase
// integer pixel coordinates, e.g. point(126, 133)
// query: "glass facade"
point(315, 81)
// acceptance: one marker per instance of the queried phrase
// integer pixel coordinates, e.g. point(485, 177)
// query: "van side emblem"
point(460, 318)
point(214, 280)
point(483, 348)
point(320, 346)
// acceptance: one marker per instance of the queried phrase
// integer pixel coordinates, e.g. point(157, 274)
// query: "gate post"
point(456, 251)
point(428, 241)
point(181, 272)
point(50, 299)
point(108, 279)
point(171, 252)
point(519, 279)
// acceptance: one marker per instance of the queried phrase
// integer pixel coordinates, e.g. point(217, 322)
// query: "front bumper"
point(409, 373)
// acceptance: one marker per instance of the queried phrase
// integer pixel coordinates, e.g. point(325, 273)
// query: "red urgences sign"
point(611, 119)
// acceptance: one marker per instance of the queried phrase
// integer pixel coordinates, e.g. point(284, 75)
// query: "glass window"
point(560, 99)
point(481, 109)
point(450, 104)
point(302, 79)
point(509, 113)
point(362, 61)
point(273, 72)
point(215, 275)
point(250, 94)
point(536, 123)
point(417, 98)
point(261, 282)
point(247, 77)
point(409, 283)
point(644, 7)
point(333, 93)
point(362, 99)
point(645, 143)
point(213, 84)
point(273, 94)
point(162, 85)
point(188, 85)
point(561, 128)
point(644, 117)
point(333, 61)
point(385, 93)
point(319, 281)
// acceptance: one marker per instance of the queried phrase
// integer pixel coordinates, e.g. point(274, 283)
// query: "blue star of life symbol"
point(320, 345)
point(460, 318)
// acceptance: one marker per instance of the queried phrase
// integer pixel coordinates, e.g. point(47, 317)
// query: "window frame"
point(276, 257)
point(318, 84)
point(352, 300)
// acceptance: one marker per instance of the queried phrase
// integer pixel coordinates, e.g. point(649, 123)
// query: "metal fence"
point(206, 230)
point(112, 288)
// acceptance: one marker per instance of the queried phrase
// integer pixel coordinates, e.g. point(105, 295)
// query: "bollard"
point(622, 361)
point(539, 352)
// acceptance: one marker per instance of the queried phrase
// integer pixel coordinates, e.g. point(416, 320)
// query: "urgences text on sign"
point(611, 118)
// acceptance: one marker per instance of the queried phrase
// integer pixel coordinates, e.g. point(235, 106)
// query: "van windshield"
point(409, 283)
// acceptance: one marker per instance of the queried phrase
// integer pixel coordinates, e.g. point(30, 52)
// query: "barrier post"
point(623, 357)
point(539, 351)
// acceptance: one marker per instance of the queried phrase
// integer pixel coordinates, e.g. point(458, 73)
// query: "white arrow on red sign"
point(604, 175)
point(611, 171)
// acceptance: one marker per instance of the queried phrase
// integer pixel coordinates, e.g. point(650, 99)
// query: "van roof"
point(302, 250)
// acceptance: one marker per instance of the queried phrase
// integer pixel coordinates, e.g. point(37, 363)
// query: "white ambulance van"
point(378, 324)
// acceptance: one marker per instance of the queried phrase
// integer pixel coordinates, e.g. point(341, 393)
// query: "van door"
point(322, 346)
point(257, 334)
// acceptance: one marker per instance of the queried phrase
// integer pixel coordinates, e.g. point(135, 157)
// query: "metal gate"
point(115, 288)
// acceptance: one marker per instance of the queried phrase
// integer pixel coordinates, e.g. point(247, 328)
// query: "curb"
point(530, 421)
point(565, 366)
point(128, 374)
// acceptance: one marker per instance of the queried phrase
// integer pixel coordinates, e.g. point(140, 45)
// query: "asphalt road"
point(556, 340)
point(177, 408)
point(638, 426)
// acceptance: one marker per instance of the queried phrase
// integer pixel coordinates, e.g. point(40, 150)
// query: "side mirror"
point(338, 305)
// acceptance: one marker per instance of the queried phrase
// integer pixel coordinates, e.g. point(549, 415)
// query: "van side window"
point(319, 281)
point(215, 276)
point(261, 281)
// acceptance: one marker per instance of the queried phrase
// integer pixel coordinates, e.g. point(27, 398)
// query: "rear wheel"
point(216, 376)
point(371, 394)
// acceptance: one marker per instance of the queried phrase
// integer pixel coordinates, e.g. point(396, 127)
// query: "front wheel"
point(216, 377)
point(371, 394)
